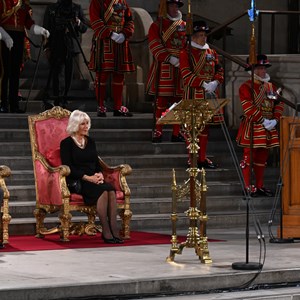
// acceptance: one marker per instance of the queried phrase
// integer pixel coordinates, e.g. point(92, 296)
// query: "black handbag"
point(74, 186)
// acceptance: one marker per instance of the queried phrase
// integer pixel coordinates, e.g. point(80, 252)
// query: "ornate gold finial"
point(252, 50)
point(189, 20)
point(162, 13)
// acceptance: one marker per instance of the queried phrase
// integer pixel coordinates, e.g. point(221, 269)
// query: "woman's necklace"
point(79, 144)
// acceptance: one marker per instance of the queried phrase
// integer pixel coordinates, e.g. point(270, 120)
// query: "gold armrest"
point(64, 170)
point(4, 172)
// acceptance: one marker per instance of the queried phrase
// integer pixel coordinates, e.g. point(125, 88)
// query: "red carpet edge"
point(52, 242)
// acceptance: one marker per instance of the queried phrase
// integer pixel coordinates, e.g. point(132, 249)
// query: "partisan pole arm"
point(189, 21)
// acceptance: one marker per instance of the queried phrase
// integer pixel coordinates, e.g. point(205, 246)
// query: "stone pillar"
point(135, 82)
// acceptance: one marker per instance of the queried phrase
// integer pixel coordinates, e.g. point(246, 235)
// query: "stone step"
point(214, 188)
point(125, 135)
point(138, 121)
point(119, 147)
point(153, 176)
point(26, 226)
point(148, 190)
point(131, 134)
point(140, 205)
point(142, 161)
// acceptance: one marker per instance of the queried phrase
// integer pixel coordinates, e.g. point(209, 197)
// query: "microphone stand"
point(252, 60)
point(246, 265)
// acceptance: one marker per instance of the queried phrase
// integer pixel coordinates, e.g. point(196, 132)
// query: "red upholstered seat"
point(52, 195)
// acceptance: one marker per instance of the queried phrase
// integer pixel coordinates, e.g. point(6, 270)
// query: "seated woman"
point(78, 151)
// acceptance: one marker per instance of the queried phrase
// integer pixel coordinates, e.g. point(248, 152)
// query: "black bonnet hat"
point(200, 26)
point(261, 60)
point(178, 2)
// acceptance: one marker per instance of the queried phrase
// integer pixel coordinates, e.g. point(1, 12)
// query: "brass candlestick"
point(193, 115)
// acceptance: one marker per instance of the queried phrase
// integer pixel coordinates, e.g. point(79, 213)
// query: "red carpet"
point(51, 242)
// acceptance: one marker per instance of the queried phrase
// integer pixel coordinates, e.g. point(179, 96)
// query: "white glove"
point(266, 123)
point(38, 30)
point(121, 38)
point(6, 38)
point(204, 85)
point(211, 86)
point(272, 124)
point(269, 124)
point(114, 36)
point(174, 61)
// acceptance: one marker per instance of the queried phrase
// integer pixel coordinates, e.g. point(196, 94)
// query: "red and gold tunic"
point(196, 66)
point(106, 17)
point(15, 15)
point(255, 112)
point(166, 39)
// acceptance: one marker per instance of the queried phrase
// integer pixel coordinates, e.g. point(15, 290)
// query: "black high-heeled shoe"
point(108, 241)
point(118, 240)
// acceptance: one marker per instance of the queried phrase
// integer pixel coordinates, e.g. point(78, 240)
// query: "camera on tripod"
point(65, 20)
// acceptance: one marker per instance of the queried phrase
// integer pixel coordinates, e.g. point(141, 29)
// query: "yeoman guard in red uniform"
point(112, 23)
point(258, 126)
point(201, 74)
point(167, 36)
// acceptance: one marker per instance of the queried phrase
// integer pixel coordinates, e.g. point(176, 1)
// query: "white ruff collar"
point(179, 17)
point(205, 46)
point(266, 79)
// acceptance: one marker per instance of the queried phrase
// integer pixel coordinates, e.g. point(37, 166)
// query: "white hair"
point(76, 118)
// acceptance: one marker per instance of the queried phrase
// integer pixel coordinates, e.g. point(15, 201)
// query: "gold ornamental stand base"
point(196, 237)
point(192, 115)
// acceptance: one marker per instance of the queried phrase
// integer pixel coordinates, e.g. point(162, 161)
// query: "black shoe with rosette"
point(177, 138)
point(101, 111)
point(157, 137)
point(122, 112)
point(264, 192)
point(207, 164)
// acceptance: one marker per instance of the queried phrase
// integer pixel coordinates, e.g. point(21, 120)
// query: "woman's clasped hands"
point(97, 178)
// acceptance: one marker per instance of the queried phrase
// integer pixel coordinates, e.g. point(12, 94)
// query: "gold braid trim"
point(7, 13)
point(108, 13)
point(200, 64)
point(170, 30)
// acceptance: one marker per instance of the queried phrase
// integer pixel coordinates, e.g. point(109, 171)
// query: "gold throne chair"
point(5, 217)
point(47, 129)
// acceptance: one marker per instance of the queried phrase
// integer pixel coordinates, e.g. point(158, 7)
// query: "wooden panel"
point(290, 172)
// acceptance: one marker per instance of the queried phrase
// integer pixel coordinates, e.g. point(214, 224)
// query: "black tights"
point(107, 212)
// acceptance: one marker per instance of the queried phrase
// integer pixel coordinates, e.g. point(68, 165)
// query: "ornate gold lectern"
point(193, 116)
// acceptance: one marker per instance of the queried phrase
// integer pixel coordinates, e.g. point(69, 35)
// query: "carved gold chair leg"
point(4, 214)
point(125, 216)
point(91, 228)
point(6, 217)
point(65, 221)
point(40, 215)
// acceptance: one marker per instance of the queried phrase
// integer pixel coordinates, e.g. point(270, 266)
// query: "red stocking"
point(245, 166)
point(100, 87)
point(203, 139)
point(259, 165)
point(117, 87)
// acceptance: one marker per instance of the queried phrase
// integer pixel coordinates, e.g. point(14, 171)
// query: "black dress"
point(83, 162)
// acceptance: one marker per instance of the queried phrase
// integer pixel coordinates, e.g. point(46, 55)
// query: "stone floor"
point(142, 271)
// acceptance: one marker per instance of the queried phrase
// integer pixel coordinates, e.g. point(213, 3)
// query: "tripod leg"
point(34, 75)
